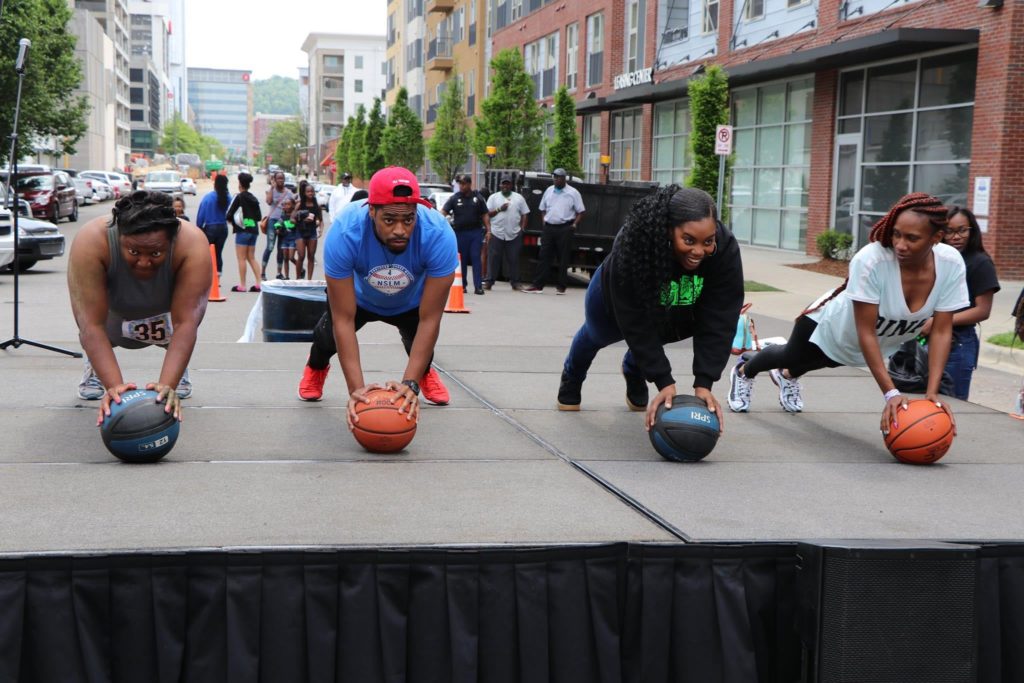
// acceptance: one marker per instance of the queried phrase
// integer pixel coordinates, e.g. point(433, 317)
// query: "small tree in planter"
point(709, 108)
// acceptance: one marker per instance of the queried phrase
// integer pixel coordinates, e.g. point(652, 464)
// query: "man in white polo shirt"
point(508, 212)
point(562, 209)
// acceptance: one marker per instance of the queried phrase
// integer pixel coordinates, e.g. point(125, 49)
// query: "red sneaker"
point(311, 388)
point(432, 388)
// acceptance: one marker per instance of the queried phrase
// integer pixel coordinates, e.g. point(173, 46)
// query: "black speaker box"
point(888, 611)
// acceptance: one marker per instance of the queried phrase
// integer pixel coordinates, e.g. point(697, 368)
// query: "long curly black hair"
point(645, 258)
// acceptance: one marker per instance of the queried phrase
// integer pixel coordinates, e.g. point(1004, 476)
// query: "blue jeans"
point(963, 359)
point(598, 331)
point(271, 240)
point(470, 242)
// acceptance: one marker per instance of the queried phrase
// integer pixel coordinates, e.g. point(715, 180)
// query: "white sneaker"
point(90, 388)
point(740, 391)
point(184, 389)
point(790, 397)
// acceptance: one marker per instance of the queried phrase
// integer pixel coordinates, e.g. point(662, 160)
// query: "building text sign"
point(982, 194)
point(628, 80)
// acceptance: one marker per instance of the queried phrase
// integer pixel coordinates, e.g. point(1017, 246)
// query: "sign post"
point(723, 148)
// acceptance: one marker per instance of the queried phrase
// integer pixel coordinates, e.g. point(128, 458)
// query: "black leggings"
point(323, 334)
point(799, 355)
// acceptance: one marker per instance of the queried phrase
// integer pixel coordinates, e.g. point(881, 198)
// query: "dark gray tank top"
point(129, 297)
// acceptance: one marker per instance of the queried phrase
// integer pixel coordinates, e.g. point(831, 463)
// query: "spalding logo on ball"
point(139, 429)
point(687, 432)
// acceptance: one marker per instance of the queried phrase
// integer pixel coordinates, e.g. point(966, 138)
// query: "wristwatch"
point(412, 384)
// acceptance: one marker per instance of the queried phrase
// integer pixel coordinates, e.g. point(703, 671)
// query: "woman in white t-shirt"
point(903, 277)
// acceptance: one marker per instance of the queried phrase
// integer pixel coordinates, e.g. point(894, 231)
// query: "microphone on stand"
point(23, 45)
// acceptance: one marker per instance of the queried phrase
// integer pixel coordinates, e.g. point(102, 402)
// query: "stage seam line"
point(624, 497)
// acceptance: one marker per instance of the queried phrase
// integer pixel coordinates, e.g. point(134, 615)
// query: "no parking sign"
point(723, 140)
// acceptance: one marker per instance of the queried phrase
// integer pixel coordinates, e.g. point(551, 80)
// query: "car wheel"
point(73, 218)
point(24, 264)
point(54, 216)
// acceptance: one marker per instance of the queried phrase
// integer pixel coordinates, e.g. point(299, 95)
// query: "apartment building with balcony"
point(839, 106)
point(222, 101)
point(344, 71)
point(406, 40)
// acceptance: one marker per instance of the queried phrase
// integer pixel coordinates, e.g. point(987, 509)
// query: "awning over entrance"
point(876, 46)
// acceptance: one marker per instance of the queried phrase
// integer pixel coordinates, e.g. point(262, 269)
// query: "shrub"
point(833, 244)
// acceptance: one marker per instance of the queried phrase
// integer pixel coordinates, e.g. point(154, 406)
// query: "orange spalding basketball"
point(381, 428)
point(924, 435)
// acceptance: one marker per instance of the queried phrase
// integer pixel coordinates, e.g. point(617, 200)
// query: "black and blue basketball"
point(138, 429)
point(687, 432)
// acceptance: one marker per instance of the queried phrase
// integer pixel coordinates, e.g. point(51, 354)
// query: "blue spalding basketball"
point(687, 432)
point(138, 429)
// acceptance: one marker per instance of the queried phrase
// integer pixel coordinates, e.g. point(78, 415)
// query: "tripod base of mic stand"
point(17, 342)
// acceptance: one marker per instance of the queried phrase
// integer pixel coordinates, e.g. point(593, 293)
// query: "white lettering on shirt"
point(389, 278)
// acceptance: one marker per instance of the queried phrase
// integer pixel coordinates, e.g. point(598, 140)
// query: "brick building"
point(839, 106)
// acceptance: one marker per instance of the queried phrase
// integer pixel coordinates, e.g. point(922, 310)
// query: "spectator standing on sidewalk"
point(342, 195)
point(246, 231)
point(468, 209)
point(277, 193)
point(562, 210)
point(211, 217)
point(508, 211)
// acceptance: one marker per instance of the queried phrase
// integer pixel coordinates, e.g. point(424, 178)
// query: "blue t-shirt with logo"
point(387, 283)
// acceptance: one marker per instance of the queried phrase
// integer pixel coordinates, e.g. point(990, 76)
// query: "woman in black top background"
point(308, 226)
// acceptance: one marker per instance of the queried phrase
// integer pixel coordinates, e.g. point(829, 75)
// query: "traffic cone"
point(456, 303)
point(215, 294)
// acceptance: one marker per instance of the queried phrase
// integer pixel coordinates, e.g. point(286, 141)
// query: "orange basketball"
point(925, 433)
point(381, 428)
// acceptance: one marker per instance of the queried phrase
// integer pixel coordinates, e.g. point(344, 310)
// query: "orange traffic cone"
point(215, 285)
point(456, 303)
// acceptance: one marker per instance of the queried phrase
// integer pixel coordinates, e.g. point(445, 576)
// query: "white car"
point(101, 190)
point(168, 182)
point(6, 238)
point(323, 194)
point(119, 182)
point(188, 186)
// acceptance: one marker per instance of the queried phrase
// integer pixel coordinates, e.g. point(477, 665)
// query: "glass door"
point(846, 193)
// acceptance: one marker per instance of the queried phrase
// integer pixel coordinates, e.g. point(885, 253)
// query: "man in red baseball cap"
point(389, 258)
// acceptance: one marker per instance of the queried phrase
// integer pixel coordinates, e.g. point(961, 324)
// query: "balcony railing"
point(440, 5)
point(333, 93)
point(439, 54)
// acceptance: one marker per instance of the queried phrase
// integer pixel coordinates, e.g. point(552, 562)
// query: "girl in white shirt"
point(903, 277)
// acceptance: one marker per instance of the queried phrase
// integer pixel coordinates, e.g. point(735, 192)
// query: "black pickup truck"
point(607, 207)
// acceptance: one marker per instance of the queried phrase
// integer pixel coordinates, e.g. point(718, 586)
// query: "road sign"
point(723, 140)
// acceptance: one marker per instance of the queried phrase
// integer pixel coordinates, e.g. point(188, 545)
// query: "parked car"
point(6, 238)
point(289, 182)
point(50, 193)
point(323, 194)
point(168, 182)
point(84, 193)
point(188, 186)
point(439, 197)
point(101, 189)
point(38, 241)
point(119, 182)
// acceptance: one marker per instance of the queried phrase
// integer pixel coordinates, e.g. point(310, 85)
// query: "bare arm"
point(341, 297)
point(435, 294)
point(87, 285)
point(980, 312)
point(865, 316)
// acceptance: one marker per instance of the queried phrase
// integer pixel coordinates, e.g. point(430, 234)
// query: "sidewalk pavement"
point(801, 287)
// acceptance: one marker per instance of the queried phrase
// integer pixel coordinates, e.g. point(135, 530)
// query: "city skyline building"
point(151, 93)
point(222, 100)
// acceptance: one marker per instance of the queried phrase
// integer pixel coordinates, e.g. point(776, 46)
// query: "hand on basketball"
point(359, 396)
point(945, 407)
point(407, 400)
point(664, 398)
point(709, 398)
point(890, 414)
point(167, 394)
point(112, 394)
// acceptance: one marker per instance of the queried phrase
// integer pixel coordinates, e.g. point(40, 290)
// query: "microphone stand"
point(14, 205)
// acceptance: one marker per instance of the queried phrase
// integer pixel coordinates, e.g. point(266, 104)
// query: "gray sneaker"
point(184, 386)
point(740, 391)
point(90, 388)
point(790, 397)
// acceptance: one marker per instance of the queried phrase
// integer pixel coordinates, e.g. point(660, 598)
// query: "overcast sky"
point(267, 36)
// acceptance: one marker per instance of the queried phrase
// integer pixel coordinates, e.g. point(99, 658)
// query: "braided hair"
point(918, 202)
point(144, 211)
point(646, 257)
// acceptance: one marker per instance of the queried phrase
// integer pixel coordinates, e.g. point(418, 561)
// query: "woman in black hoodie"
point(674, 272)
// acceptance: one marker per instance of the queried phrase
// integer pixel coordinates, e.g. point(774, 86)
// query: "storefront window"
point(913, 120)
point(671, 142)
point(592, 148)
point(771, 166)
point(625, 145)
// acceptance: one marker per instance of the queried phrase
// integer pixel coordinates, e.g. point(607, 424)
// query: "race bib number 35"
point(155, 330)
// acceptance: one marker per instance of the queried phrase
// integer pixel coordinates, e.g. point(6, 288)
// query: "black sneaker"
point(569, 393)
point(636, 392)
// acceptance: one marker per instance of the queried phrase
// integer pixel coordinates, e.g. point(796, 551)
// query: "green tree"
point(276, 95)
point(49, 105)
point(285, 141)
point(402, 141)
point(511, 120)
point(179, 137)
point(448, 148)
point(210, 148)
point(373, 156)
point(709, 108)
point(357, 143)
point(564, 150)
point(341, 152)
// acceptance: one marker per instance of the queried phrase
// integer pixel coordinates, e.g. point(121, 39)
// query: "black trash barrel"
point(292, 308)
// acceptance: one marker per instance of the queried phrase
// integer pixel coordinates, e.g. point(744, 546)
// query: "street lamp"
point(606, 161)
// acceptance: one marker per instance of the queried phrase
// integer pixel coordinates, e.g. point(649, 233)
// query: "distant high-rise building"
point(222, 102)
point(150, 84)
point(304, 93)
